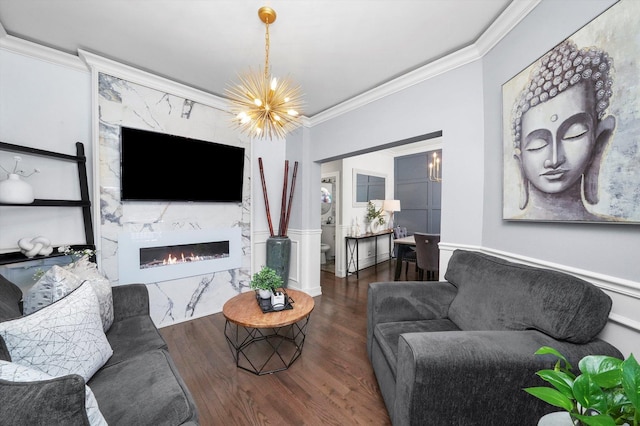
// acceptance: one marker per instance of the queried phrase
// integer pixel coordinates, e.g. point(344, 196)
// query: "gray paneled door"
point(420, 198)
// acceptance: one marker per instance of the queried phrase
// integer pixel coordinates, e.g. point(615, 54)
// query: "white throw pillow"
point(87, 270)
point(55, 284)
point(65, 337)
point(13, 372)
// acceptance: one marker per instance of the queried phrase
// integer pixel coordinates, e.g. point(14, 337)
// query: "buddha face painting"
point(560, 129)
point(558, 138)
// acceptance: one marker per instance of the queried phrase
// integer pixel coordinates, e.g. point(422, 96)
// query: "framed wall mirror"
point(367, 186)
point(325, 199)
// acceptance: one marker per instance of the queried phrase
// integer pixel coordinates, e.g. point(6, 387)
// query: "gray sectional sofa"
point(460, 351)
point(138, 385)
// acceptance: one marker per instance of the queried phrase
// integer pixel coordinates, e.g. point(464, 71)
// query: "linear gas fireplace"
point(163, 256)
point(152, 257)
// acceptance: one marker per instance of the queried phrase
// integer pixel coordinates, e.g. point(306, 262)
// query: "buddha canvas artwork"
point(571, 127)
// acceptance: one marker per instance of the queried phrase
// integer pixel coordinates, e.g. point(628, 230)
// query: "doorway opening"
point(347, 211)
point(329, 219)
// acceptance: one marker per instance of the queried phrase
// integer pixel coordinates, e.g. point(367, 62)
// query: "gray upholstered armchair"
point(459, 352)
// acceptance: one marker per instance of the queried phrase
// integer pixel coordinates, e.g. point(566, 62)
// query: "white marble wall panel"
point(123, 103)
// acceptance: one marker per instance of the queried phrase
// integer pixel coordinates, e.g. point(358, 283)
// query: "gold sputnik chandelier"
point(263, 105)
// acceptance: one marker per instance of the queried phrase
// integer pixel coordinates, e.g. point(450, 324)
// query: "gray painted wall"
point(45, 106)
point(466, 105)
point(450, 102)
point(611, 249)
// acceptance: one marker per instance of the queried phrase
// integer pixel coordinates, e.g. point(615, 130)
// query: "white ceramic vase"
point(264, 294)
point(374, 226)
point(560, 418)
point(14, 190)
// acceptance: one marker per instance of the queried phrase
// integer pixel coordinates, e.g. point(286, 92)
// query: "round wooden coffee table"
point(264, 343)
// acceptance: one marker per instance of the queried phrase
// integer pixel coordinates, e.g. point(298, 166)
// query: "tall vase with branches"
point(279, 246)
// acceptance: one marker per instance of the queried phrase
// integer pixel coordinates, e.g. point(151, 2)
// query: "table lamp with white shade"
point(391, 206)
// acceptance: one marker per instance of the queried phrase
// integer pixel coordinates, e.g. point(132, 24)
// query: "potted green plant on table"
point(266, 281)
point(605, 393)
point(374, 216)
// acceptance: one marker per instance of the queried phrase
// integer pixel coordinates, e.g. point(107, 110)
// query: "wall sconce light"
point(435, 172)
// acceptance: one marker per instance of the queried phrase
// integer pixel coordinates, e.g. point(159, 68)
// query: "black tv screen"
point(159, 167)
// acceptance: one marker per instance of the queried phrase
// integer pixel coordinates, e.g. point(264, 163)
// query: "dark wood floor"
point(332, 383)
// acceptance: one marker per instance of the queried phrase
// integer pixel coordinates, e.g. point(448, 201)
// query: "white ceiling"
point(335, 49)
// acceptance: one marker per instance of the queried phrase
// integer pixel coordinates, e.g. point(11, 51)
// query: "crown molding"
point(512, 15)
point(86, 61)
point(38, 51)
point(144, 78)
point(507, 20)
point(448, 63)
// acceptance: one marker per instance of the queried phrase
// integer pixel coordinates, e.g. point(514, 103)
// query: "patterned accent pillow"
point(13, 372)
point(87, 270)
point(55, 284)
point(65, 337)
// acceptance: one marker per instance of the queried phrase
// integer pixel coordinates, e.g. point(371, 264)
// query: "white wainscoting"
point(623, 328)
point(304, 270)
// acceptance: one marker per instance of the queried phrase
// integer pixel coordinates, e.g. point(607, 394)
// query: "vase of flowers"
point(375, 217)
point(77, 254)
point(14, 190)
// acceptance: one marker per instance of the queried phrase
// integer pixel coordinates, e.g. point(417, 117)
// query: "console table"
point(352, 249)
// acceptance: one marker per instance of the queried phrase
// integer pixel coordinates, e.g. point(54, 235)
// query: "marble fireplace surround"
point(132, 98)
point(130, 245)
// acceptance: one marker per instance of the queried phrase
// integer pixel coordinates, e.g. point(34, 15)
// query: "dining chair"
point(427, 255)
point(409, 254)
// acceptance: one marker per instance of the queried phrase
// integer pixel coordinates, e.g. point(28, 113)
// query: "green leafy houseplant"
point(266, 279)
point(374, 214)
point(605, 393)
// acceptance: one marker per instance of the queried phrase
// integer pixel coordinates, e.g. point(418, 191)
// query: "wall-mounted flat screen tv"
point(160, 167)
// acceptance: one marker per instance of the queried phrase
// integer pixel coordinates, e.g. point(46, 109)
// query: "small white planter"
point(560, 418)
point(264, 294)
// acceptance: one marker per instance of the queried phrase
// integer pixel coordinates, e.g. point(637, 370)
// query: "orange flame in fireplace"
point(172, 260)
